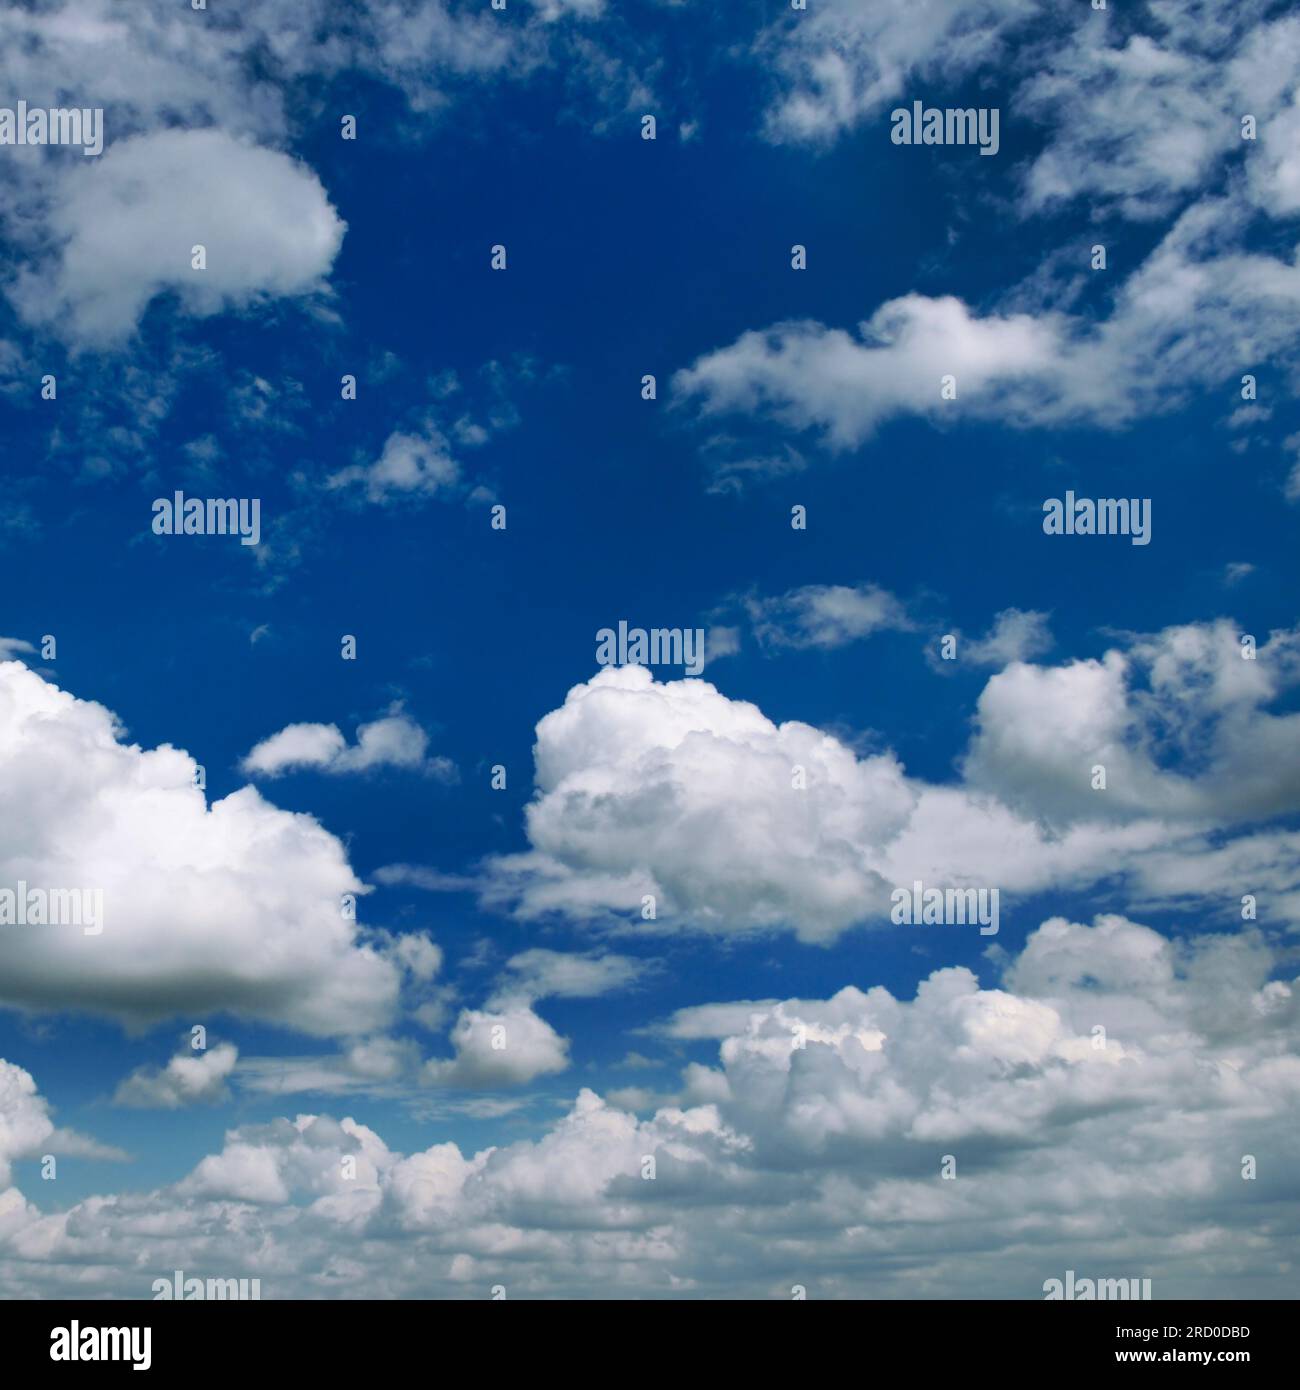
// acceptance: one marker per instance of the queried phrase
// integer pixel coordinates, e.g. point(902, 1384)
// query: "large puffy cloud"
point(1098, 1104)
point(126, 225)
point(673, 791)
point(231, 905)
point(1099, 1019)
point(1202, 700)
point(732, 823)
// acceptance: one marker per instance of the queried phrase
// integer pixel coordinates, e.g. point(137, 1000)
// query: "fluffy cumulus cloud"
point(396, 740)
point(190, 1078)
point(675, 793)
point(506, 1042)
point(1098, 1104)
point(127, 223)
point(233, 904)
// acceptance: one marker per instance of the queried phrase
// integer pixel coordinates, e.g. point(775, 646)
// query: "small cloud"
point(826, 616)
point(410, 465)
point(11, 647)
point(375, 1066)
point(1253, 414)
point(68, 1142)
point(543, 974)
point(721, 641)
point(188, 1079)
point(1016, 635)
point(418, 876)
point(393, 741)
point(1291, 488)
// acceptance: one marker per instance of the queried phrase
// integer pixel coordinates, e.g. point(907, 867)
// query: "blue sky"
point(776, 388)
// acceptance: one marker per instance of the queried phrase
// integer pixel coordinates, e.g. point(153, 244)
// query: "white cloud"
point(826, 615)
point(1162, 338)
point(673, 791)
point(419, 876)
point(1138, 114)
point(812, 377)
point(231, 905)
point(503, 1044)
point(125, 225)
point(190, 1078)
point(1139, 121)
point(196, 116)
point(551, 10)
point(1039, 729)
point(396, 740)
point(378, 1066)
point(506, 1043)
point(25, 1122)
point(27, 1131)
point(1016, 635)
point(543, 974)
point(410, 465)
point(815, 1158)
